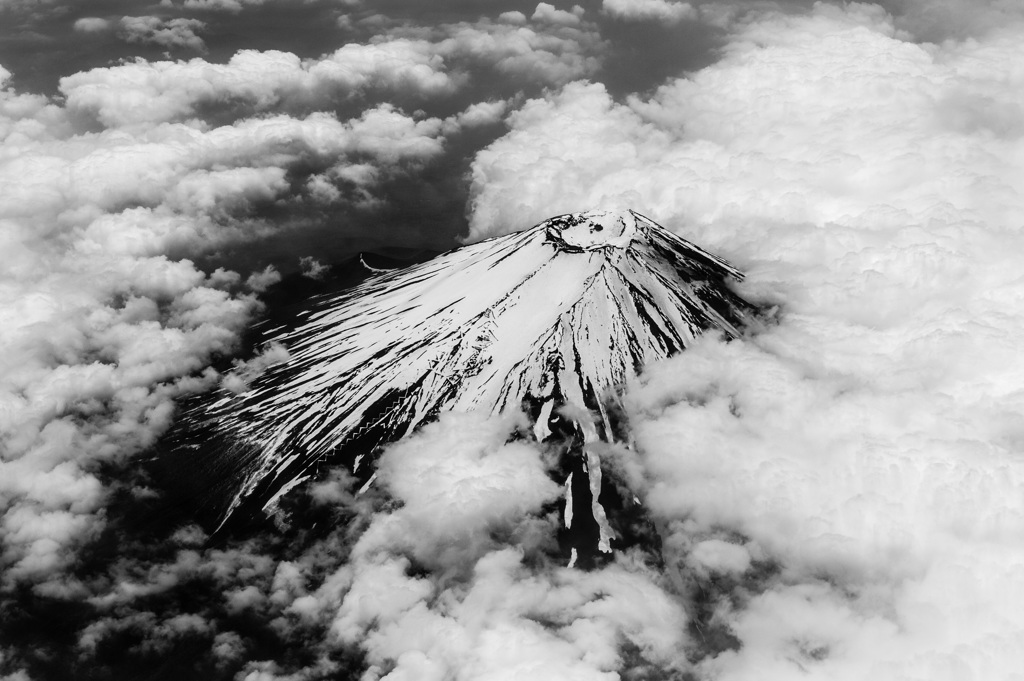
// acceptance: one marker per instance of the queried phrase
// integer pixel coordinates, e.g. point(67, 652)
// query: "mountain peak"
point(592, 230)
point(556, 316)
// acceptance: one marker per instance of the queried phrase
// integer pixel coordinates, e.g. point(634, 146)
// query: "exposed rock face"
point(559, 314)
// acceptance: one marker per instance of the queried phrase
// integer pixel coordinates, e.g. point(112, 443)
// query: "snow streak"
point(559, 314)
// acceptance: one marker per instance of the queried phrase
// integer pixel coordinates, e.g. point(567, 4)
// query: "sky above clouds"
point(840, 495)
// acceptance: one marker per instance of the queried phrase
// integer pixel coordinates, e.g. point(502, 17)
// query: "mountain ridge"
point(555, 316)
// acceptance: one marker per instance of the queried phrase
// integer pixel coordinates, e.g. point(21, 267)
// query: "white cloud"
point(264, 279)
point(718, 556)
point(937, 20)
point(459, 481)
point(479, 114)
point(16, 5)
point(687, 137)
point(513, 17)
point(492, 627)
point(649, 10)
point(143, 93)
point(420, 62)
point(547, 13)
point(233, 6)
point(553, 48)
point(91, 25)
point(166, 33)
point(481, 609)
point(881, 490)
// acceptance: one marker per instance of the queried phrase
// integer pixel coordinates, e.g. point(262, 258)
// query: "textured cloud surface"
point(839, 496)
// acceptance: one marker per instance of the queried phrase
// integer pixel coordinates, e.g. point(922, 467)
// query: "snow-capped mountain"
point(559, 314)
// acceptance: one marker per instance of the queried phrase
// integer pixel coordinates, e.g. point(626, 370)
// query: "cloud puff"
point(16, 5)
point(459, 482)
point(649, 10)
point(156, 31)
point(553, 47)
point(233, 6)
point(464, 492)
point(91, 25)
point(547, 13)
point(146, 93)
point(685, 138)
point(417, 63)
point(509, 623)
point(937, 20)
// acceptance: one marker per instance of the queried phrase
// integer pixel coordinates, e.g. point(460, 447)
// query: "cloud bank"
point(649, 10)
point(837, 496)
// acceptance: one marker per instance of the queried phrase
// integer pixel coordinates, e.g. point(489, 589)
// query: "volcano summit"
point(558, 315)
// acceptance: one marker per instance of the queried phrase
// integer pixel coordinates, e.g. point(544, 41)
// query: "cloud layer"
point(837, 496)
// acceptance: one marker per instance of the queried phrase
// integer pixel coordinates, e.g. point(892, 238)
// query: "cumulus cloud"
point(15, 5)
point(461, 487)
point(156, 31)
point(938, 20)
point(482, 113)
point(399, 61)
point(145, 92)
point(688, 134)
point(91, 25)
point(418, 63)
point(548, 13)
point(649, 10)
point(873, 490)
point(233, 6)
point(464, 493)
point(552, 47)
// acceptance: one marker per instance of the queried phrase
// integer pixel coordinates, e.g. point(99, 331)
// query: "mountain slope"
point(559, 314)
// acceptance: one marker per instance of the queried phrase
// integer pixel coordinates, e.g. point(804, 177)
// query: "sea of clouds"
point(839, 495)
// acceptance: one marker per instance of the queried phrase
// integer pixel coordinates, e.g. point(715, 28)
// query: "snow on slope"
point(559, 314)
